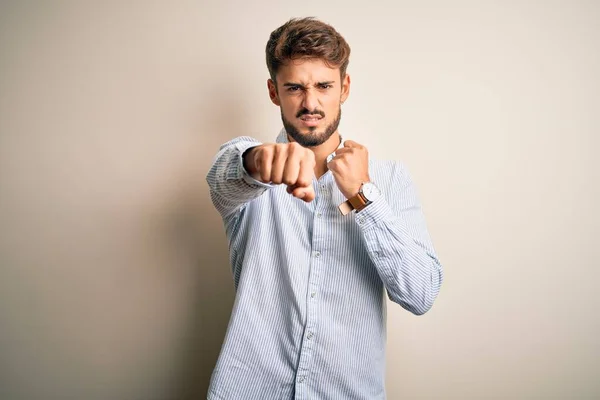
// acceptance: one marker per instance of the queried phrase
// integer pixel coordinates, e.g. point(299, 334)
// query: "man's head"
point(307, 61)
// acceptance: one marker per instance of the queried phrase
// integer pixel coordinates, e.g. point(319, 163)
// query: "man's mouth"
point(310, 117)
point(311, 120)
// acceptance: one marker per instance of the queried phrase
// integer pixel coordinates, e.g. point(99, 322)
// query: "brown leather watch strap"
point(357, 203)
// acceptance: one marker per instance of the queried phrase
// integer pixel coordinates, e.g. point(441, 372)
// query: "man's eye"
point(293, 88)
point(326, 86)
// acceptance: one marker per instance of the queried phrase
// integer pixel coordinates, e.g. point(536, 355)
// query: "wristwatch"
point(367, 194)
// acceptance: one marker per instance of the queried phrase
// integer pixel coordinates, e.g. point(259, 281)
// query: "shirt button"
point(309, 336)
point(361, 220)
point(312, 295)
point(317, 254)
point(319, 215)
point(301, 379)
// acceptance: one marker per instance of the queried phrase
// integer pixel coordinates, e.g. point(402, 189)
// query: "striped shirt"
point(309, 318)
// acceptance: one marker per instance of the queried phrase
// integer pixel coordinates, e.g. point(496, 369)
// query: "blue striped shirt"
point(309, 318)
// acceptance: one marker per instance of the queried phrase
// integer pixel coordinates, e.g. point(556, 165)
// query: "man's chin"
point(308, 137)
point(309, 132)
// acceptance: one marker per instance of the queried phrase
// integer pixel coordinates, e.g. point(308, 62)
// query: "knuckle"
point(274, 151)
point(265, 153)
point(302, 182)
point(294, 146)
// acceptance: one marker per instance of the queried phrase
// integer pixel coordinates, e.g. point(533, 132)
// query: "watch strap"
point(357, 203)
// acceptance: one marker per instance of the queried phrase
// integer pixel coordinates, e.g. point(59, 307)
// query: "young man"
point(316, 231)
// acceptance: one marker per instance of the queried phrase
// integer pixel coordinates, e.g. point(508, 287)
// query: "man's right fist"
point(287, 163)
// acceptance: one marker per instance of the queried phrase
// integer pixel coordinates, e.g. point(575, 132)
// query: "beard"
point(312, 138)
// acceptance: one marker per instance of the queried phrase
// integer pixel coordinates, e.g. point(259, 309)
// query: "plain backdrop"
point(114, 275)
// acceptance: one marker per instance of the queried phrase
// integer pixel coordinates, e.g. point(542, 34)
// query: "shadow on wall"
point(199, 228)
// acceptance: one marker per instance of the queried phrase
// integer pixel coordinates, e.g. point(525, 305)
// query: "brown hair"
point(306, 38)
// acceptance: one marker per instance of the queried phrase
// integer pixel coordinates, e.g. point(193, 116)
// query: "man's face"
point(309, 94)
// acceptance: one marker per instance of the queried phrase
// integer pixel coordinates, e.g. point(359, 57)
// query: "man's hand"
point(287, 163)
point(350, 168)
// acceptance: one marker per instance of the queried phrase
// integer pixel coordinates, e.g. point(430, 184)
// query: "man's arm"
point(396, 237)
point(399, 245)
point(231, 186)
point(244, 169)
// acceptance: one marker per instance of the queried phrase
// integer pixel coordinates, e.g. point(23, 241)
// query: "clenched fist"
point(350, 168)
point(287, 163)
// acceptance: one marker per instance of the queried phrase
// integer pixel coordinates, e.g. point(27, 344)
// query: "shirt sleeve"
point(231, 187)
point(399, 245)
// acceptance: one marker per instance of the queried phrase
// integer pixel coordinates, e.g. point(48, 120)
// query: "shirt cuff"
point(241, 171)
point(375, 212)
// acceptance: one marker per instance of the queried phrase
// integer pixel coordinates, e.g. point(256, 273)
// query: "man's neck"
point(323, 151)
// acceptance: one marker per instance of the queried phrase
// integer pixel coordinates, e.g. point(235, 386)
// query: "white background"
point(114, 275)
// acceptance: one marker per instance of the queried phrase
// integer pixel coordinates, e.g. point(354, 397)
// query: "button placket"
point(324, 190)
point(319, 239)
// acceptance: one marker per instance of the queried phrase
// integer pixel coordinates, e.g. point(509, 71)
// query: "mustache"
point(306, 111)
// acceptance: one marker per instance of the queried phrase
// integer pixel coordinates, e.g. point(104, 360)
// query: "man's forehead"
point(306, 71)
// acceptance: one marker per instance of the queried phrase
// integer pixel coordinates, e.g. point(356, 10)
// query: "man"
point(316, 231)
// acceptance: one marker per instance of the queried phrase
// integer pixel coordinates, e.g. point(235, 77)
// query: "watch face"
point(370, 191)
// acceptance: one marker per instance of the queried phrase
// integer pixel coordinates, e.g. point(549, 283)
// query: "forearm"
point(401, 250)
point(230, 184)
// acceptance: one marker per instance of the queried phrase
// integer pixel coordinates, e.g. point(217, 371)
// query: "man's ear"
point(272, 86)
point(345, 88)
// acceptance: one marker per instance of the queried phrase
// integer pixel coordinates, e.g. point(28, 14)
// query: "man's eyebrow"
point(301, 85)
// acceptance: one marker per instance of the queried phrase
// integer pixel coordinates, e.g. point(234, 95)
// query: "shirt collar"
point(282, 137)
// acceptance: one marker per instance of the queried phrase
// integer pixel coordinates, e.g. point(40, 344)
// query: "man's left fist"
point(350, 168)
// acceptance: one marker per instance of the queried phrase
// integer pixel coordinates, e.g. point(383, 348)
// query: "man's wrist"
point(361, 199)
point(367, 193)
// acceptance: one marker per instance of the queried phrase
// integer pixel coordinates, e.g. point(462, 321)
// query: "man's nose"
point(311, 100)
